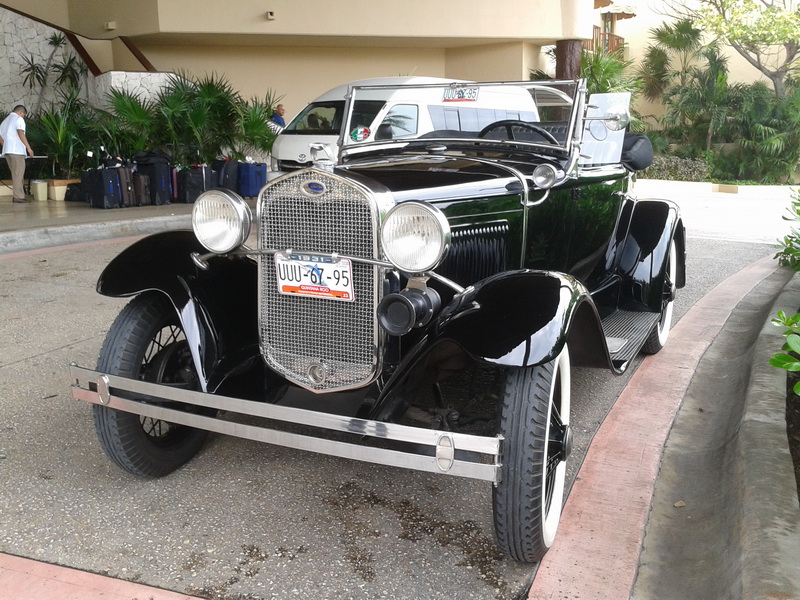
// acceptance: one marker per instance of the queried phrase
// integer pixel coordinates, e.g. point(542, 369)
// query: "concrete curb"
point(597, 550)
point(45, 237)
point(770, 517)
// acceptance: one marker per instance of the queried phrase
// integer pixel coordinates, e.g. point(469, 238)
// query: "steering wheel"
point(509, 125)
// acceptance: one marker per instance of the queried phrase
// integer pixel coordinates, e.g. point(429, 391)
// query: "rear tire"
point(537, 442)
point(146, 342)
point(658, 337)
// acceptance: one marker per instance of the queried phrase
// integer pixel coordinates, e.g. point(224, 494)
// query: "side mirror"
point(617, 117)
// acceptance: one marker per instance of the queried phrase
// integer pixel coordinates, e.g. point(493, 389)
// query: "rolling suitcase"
point(141, 189)
point(227, 174)
point(105, 191)
point(126, 186)
point(87, 185)
point(252, 177)
point(173, 182)
point(160, 187)
point(155, 165)
point(193, 181)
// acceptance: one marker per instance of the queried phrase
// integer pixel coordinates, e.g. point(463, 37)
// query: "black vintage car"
point(485, 232)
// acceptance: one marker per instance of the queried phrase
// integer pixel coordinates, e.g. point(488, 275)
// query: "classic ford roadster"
point(443, 241)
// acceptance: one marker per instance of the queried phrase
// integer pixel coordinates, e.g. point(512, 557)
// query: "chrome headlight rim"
point(227, 213)
point(545, 176)
point(437, 220)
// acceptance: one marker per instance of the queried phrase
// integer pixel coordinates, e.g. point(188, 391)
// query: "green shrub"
point(789, 256)
point(676, 169)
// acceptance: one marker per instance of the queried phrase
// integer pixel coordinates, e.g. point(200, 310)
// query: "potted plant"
point(59, 132)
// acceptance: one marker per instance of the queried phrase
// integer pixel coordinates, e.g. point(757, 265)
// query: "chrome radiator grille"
point(320, 344)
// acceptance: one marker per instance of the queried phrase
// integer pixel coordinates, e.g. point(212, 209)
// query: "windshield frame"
point(568, 96)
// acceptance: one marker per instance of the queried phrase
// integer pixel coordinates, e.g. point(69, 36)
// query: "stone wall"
point(144, 85)
point(22, 38)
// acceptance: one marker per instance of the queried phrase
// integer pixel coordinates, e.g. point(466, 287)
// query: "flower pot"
point(39, 190)
point(57, 188)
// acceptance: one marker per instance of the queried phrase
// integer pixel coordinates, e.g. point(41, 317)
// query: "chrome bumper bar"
point(110, 390)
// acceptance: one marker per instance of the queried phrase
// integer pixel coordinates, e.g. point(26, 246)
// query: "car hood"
point(436, 177)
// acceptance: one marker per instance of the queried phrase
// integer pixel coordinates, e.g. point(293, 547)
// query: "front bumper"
point(459, 454)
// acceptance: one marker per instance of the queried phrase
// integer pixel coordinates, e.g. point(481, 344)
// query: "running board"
point(626, 333)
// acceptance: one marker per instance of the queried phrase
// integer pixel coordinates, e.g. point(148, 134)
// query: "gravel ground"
point(242, 520)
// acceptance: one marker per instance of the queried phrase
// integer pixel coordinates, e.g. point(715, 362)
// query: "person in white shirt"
point(15, 145)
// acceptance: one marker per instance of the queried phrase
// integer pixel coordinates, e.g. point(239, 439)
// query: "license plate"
point(314, 275)
point(460, 94)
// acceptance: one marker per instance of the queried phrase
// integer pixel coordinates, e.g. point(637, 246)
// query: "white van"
point(393, 113)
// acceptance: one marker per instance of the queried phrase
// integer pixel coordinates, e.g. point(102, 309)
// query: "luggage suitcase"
point(126, 186)
point(88, 178)
point(160, 187)
point(173, 178)
point(193, 181)
point(252, 177)
point(105, 191)
point(155, 164)
point(74, 193)
point(227, 174)
point(141, 189)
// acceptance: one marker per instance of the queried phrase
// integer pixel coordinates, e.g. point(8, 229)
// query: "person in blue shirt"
point(277, 116)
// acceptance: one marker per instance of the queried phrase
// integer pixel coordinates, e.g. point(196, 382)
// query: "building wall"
point(310, 46)
point(297, 74)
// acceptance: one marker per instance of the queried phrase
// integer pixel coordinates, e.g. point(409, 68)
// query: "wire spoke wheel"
point(146, 342)
point(537, 442)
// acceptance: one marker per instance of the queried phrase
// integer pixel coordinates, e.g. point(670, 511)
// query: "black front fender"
point(513, 319)
point(218, 307)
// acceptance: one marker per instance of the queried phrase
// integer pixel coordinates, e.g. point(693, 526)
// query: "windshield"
point(325, 118)
point(541, 114)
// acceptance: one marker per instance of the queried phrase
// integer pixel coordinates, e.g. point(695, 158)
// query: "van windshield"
point(325, 118)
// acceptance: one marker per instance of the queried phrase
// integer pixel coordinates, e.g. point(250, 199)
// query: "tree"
point(766, 33)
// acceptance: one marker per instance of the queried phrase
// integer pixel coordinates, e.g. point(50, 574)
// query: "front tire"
point(146, 342)
point(534, 422)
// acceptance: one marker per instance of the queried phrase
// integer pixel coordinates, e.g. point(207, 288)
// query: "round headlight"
point(221, 220)
point(544, 176)
point(415, 236)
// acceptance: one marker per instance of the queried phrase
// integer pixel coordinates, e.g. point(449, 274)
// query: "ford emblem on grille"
point(313, 188)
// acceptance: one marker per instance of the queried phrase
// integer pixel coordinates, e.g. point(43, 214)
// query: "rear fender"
point(217, 307)
point(639, 254)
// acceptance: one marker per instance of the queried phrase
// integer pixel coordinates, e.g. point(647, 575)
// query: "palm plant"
point(705, 100)
point(607, 73)
point(668, 61)
point(33, 73)
point(253, 133)
point(40, 73)
point(128, 124)
point(61, 133)
point(772, 147)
